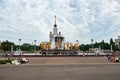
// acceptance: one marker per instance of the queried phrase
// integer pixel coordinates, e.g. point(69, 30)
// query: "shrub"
point(7, 61)
point(2, 62)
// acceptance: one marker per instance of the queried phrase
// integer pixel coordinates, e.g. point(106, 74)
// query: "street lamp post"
point(19, 46)
point(78, 45)
point(77, 41)
point(92, 43)
point(32, 47)
point(111, 48)
point(35, 45)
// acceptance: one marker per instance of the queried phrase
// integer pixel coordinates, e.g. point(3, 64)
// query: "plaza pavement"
point(62, 68)
point(64, 60)
point(69, 60)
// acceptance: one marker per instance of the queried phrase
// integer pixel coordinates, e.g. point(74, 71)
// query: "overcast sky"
point(81, 20)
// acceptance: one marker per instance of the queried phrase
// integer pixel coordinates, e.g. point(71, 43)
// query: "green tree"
point(25, 47)
point(6, 45)
point(96, 45)
point(81, 47)
point(86, 48)
point(112, 42)
point(105, 46)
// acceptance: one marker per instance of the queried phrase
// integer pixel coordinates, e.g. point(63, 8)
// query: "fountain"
point(53, 45)
point(56, 44)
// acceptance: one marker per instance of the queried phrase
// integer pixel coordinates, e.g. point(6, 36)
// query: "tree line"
point(9, 46)
point(103, 45)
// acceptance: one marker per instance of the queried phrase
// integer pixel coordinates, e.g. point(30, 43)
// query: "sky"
point(81, 20)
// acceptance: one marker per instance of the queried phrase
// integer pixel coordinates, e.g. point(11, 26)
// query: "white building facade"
point(117, 42)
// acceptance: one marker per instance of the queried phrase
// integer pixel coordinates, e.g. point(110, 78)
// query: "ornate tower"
point(55, 29)
point(56, 39)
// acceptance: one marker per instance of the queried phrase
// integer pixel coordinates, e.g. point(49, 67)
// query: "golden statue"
point(75, 46)
point(64, 46)
point(43, 46)
point(56, 45)
point(49, 45)
point(70, 47)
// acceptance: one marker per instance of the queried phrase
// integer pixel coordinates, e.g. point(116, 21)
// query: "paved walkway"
point(60, 72)
point(62, 68)
point(65, 60)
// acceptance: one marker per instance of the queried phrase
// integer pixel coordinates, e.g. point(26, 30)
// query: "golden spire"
point(55, 25)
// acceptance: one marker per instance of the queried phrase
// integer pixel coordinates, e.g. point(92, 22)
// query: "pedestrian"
point(108, 58)
point(6, 55)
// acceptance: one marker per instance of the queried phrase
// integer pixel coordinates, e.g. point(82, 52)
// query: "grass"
point(4, 61)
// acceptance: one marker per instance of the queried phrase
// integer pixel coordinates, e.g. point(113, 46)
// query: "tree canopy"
point(7, 45)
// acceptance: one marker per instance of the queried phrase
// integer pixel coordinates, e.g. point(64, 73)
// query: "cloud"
point(76, 19)
point(109, 7)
